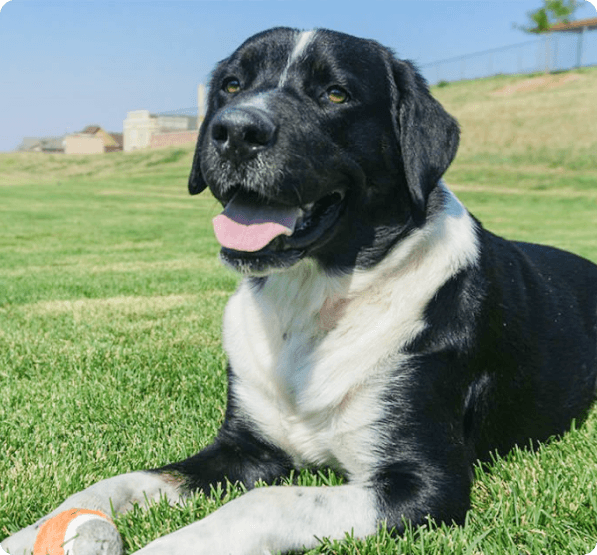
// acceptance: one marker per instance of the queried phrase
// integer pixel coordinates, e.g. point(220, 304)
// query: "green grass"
point(110, 310)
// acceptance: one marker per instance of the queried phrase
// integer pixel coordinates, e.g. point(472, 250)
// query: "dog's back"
point(538, 343)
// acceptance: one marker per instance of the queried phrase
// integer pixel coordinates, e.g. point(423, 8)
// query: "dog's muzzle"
point(271, 225)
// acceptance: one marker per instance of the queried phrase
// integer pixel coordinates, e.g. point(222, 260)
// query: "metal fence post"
point(581, 36)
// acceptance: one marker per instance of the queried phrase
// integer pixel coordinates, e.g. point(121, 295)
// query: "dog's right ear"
point(196, 182)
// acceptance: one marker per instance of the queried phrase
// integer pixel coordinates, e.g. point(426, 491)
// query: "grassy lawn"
point(110, 307)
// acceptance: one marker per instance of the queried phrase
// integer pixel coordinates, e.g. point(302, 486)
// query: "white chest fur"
point(312, 353)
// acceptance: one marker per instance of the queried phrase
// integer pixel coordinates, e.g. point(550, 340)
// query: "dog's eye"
point(231, 86)
point(337, 95)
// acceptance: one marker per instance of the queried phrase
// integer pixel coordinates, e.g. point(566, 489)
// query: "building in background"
point(140, 126)
point(578, 26)
point(42, 144)
point(92, 140)
point(173, 138)
point(142, 129)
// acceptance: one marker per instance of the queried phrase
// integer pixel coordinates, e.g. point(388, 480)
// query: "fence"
point(192, 112)
point(551, 52)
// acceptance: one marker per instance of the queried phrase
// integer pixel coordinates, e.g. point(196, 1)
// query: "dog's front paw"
point(21, 542)
point(95, 536)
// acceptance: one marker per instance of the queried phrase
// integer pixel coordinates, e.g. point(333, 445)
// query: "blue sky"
point(65, 64)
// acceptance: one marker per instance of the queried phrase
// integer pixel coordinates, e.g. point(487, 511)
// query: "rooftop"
point(578, 25)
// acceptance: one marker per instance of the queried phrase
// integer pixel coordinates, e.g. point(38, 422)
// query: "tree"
point(552, 12)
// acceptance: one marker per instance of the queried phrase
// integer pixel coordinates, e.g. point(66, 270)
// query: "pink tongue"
point(245, 227)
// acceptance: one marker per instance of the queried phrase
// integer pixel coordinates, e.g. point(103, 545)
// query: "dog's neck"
point(317, 292)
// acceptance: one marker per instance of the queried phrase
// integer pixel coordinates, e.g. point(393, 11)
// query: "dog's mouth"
point(257, 229)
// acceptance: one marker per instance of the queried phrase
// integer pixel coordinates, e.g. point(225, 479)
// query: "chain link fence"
point(549, 53)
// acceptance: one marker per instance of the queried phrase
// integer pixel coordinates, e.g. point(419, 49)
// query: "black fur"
point(509, 353)
point(238, 454)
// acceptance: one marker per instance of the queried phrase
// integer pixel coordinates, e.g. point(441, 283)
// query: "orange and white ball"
point(58, 535)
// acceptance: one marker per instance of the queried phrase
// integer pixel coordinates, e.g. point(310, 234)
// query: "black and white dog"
point(379, 329)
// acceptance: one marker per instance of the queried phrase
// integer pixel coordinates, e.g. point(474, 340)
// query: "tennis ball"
point(78, 532)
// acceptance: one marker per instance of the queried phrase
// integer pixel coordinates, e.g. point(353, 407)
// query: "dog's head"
point(318, 144)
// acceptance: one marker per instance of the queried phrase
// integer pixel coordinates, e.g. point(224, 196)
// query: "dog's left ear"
point(426, 133)
point(196, 182)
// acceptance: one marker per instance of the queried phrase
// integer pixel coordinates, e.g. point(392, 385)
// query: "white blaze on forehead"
point(302, 42)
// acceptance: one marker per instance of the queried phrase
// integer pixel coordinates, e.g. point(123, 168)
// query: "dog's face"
point(321, 145)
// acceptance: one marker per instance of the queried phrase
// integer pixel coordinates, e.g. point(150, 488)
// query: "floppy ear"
point(196, 182)
point(427, 135)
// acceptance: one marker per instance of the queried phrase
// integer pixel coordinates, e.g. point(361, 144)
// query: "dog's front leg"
point(236, 455)
point(275, 519)
point(118, 494)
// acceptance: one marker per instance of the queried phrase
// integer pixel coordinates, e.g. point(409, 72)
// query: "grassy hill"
point(541, 119)
point(110, 308)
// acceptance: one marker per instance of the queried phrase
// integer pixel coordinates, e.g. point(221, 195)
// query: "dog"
point(379, 329)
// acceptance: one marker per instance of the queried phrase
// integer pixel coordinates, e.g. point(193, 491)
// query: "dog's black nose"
point(242, 133)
